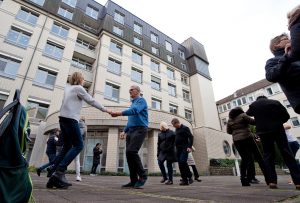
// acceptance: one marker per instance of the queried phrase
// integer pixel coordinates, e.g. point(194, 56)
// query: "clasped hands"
point(114, 113)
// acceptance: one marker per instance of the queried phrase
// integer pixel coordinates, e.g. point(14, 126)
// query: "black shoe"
point(140, 183)
point(198, 180)
point(163, 180)
point(254, 181)
point(38, 171)
point(191, 180)
point(128, 185)
point(182, 183)
point(169, 182)
point(55, 182)
point(245, 182)
point(60, 176)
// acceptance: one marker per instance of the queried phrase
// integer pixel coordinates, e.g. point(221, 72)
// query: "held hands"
point(122, 135)
point(189, 149)
point(113, 113)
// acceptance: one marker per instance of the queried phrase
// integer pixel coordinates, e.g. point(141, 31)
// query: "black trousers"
point(163, 170)
point(134, 140)
point(94, 168)
point(248, 149)
point(195, 171)
point(182, 156)
point(268, 140)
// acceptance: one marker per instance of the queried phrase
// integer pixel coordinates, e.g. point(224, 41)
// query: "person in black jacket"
point(284, 68)
point(269, 117)
point(183, 142)
point(51, 150)
point(96, 158)
point(166, 152)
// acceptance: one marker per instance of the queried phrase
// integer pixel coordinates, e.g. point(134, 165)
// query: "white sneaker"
point(78, 178)
point(92, 174)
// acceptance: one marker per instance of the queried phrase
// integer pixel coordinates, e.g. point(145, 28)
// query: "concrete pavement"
point(211, 189)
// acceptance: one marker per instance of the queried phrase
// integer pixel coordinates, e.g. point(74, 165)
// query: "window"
point(224, 107)
point(155, 83)
point(39, 2)
point(269, 91)
point(91, 12)
point(275, 88)
point(170, 58)
point(228, 106)
point(239, 102)
point(120, 18)
point(186, 95)
point(111, 92)
point(184, 79)
point(53, 50)
point(60, 30)
point(183, 66)
point(188, 114)
point(45, 78)
point(154, 66)
point(286, 103)
point(224, 121)
point(155, 103)
point(220, 109)
point(71, 3)
point(181, 54)
point(136, 75)
point(18, 37)
point(137, 40)
point(250, 99)
point(154, 38)
point(234, 103)
point(118, 31)
point(84, 25)
point(168, 46)
point(154, 50)
point(173, 109)
point(244, 101)
point(137, 28)
point(137, 57)
point(27, 16)
point(8, 66)
point(3, 98)
point(116, 47)
point(226, 148)
point(114, 66)
point(65, 13)
point(85, 44)
point(172, 90)
point(82, 64)
point(37, 110)
point(170, 74)
point(295, 121)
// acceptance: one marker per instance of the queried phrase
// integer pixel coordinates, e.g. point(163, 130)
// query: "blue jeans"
point(294, 147)
point(72, 143)
point(51, 158)
point(182, 156)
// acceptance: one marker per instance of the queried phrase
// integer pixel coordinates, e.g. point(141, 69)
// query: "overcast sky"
point(235, 33)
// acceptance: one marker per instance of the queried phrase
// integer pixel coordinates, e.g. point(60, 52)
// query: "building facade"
point(44, 41)
point(245, 96)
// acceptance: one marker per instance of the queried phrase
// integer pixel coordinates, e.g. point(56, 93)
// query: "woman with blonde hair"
point(166, 152)
point(74, 96)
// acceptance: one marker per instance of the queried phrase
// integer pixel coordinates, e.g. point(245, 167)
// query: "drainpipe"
point(35, 48)
point(98, 64)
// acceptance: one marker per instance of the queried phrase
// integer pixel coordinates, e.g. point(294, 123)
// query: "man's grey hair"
point(137, 88)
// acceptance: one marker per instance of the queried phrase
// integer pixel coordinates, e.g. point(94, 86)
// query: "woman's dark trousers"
point(163, 170)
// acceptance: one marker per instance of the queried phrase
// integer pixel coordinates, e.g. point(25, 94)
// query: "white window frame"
point(71, 3)
point(168, 46)
point(154, 38)
point(156, 101)
point(295, 121)
point(113, 88)
point(21, 35)
point(65, 13)
point(138, 28)
point(61, 30)
point(133, 70)
point(43, 83)
point(114, 66)
point(25, 15)
point(92, 12)
point(119, 17)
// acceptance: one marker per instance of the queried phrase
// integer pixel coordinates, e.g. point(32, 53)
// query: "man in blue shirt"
point(135, 132)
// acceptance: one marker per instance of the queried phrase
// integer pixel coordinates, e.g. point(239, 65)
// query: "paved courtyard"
point(211, 189)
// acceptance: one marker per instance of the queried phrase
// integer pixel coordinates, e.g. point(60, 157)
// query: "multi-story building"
point(42, 42)
point(246, 95)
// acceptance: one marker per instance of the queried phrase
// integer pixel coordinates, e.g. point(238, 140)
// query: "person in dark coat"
point(284, 68)
point(269, 117)
point(238, 127)
point(183, 142)
point(96, 158)
point(166, 152)
point(51, 150)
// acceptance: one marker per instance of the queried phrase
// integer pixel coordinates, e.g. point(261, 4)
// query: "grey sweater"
point(73, 100)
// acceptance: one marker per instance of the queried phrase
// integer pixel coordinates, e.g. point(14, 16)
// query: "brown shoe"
point(273, 186)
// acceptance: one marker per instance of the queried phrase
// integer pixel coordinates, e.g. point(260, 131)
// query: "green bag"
point(15, 182)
